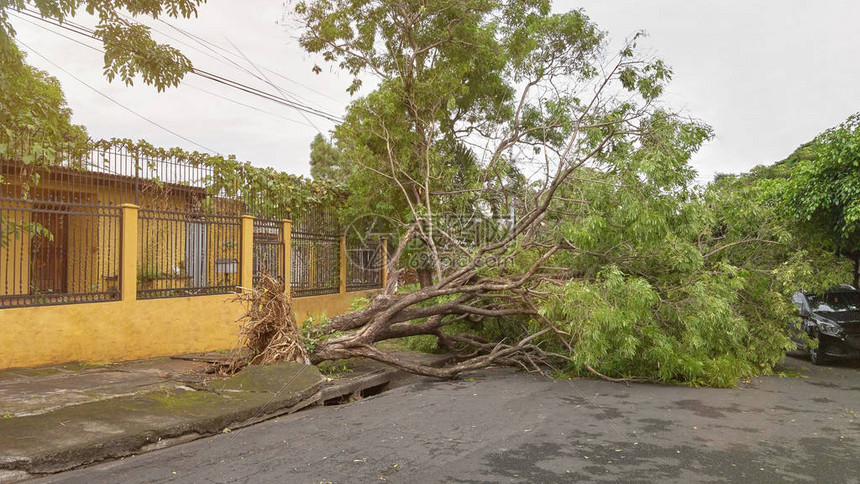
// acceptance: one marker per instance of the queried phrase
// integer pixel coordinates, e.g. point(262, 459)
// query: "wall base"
point(132, 330)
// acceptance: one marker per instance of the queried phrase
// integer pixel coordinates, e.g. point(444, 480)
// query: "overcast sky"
point(767, 75)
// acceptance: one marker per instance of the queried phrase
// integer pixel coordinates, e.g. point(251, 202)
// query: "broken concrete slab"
point(31, 391)
point(262, 379)
point(76, 435)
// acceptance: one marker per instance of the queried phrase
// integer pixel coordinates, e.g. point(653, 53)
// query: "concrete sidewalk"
point(59, 418)
point(32, 391)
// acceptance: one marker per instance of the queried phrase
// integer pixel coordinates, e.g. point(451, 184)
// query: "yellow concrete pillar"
point(246, 279)
point(342, 263)
point(384, 257)
point(128, 253)
point(287, 256)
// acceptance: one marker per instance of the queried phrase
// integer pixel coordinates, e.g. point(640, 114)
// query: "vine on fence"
point(273, 191)
point(268, 190)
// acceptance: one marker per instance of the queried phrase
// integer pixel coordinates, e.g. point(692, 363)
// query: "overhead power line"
point(187, 84)
point(210, 45)
point(265, 95)
point(216, 52)
point(23, 19)
point(84, 31)
point(174, 133)
point(255, 108)
point(266, 79)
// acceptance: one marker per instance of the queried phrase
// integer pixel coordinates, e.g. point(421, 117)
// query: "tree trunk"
point(425, 276)
point(856, 271)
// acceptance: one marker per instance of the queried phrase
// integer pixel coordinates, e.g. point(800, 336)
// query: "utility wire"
point(30, 49)
point(258, 74)
point(186, 83)
point(249, 106)
point(23, 19)
point(273, 85)
point(263, 94)
point(206, 75)
point(209, 45)
point(212, 53)
point(209, 52)
point(203, 41)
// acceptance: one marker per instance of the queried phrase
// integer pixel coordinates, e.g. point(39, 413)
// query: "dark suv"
point(833, 319)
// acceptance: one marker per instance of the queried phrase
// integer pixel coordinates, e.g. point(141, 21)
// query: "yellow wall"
point(129, 330)
point(15, 256)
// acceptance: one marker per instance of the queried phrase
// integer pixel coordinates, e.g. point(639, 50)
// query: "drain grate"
point(357, 395)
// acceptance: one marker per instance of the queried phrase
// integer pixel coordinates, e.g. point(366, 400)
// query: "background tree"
point(821, 190)
point(32, 102)
point(326, 161)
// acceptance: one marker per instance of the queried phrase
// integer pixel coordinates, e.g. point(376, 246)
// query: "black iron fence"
point(268, 248)
point(364, 268)
point(186, 255)
point(315, 253)
point(315, 264)
point(61, 233)
point(58, 253)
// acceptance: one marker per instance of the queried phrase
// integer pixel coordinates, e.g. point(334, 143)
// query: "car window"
point(835, 302)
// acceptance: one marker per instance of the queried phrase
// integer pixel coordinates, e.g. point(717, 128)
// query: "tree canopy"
point(32, 103)
point(821, 190)
point(129, 48)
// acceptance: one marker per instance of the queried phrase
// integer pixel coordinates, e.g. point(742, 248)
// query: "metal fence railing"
point(58, 253)
point(61, 230)
point(315, 264)
point(185, 255)
point(315, 253)
point(364, 268)
point(268, 248)
point(109, 175)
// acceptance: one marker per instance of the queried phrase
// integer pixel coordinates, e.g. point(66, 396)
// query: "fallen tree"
point(609, 261)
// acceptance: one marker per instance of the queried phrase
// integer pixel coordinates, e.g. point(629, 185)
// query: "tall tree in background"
point(326, 161)
point(822, 190)
point(32, 103)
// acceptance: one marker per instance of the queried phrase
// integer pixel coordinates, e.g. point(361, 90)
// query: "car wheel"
point(818, 355)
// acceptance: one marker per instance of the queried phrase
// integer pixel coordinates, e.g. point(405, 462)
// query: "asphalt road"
point(504, 426)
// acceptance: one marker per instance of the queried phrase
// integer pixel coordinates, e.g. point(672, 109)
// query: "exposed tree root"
point(269, 330)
